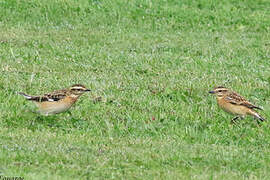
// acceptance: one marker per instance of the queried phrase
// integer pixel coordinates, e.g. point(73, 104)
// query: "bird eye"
point(76, 89)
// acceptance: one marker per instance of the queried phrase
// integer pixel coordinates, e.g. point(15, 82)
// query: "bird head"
point(219, 91)
point(78, 89)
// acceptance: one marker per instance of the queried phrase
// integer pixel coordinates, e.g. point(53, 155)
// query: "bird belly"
point(52, 107)
point(234, 109)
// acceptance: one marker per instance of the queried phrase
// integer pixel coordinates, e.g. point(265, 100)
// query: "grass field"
point(152, 63)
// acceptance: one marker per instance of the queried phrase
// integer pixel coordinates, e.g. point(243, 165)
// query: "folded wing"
point(236, 99)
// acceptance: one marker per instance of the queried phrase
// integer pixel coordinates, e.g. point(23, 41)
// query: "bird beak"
point(212, 92)
point(87, 90)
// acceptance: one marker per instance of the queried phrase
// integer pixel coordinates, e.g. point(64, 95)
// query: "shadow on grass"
point(62, 122)
point(34, 121)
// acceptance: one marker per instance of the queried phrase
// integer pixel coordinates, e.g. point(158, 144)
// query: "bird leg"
point(233, 121)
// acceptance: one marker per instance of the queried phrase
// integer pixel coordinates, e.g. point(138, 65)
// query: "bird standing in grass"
point(57, 101)
point(233, 103)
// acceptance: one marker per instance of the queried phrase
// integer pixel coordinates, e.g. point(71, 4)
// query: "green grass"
point(152, 63)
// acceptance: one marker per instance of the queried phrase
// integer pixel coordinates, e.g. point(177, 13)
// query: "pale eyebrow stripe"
point(222, 89)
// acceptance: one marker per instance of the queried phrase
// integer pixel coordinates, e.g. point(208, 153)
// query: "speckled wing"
point(56, 95)
point(236, 99)
point(51, 97)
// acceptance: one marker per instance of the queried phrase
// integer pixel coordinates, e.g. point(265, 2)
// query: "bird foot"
point(233, 121)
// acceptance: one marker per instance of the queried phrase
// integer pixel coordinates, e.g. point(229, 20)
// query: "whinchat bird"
point(235, 104)
point(57, 101)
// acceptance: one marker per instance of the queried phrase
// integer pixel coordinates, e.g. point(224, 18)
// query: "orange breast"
point(232, 108)
point(56, 106)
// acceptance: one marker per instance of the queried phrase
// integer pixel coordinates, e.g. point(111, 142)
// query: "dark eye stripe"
point(75, 89)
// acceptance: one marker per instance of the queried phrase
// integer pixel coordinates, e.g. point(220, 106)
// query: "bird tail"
point(26, 96)
point(256, 115)
point(256, 107)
